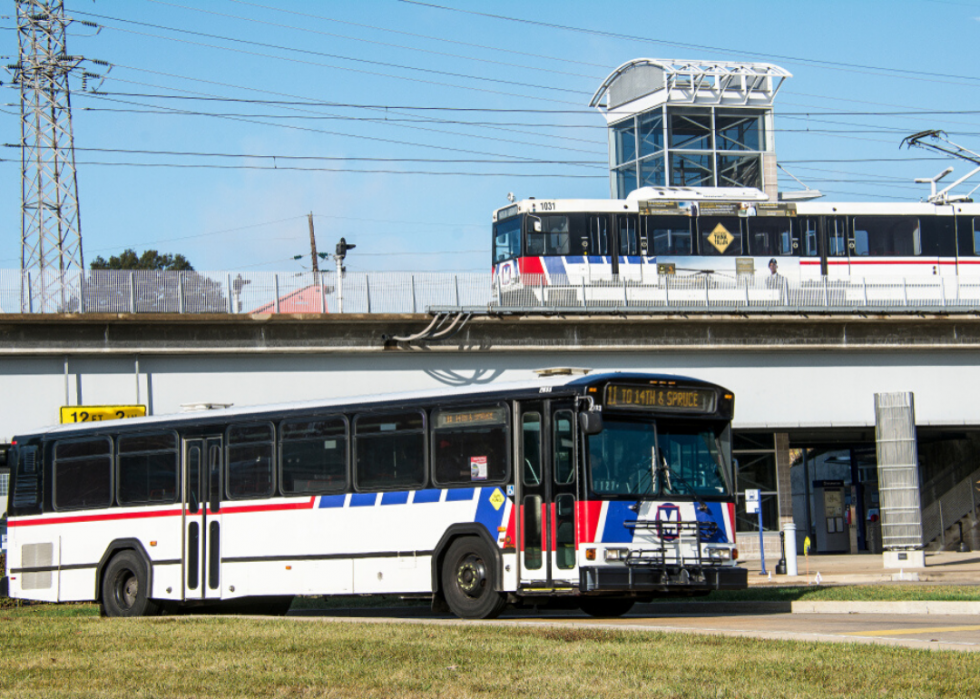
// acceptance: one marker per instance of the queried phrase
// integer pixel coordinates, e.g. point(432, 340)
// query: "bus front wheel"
point(468, 575)
point(125, 587)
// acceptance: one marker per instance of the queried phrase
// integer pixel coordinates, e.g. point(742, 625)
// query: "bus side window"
point(25, 491)
point(313, 455)
point(83, 474)
point(389, 451)
point(250, 458)
point(147, 469)
point(470, 446)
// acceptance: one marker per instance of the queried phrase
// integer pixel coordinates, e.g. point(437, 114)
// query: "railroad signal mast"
point(51, 235)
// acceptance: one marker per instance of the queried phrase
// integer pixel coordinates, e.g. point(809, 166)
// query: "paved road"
point(951, 632)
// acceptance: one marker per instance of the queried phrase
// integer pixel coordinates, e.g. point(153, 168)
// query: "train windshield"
point(658, 459)
point(507, 239)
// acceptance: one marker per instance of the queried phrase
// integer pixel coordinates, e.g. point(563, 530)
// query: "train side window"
point(836, 237)
point(938, 235)
point(720, 235)
point(250, 459)
point(629, 243)
point(887, 236)
point(976, 236)
point(770, 236)
point(807, 228)
point(83, 474)
point(554, 238)
point(596, 240)
point(669, 235)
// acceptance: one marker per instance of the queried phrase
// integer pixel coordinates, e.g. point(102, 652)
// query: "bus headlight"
point(616, 555)
point(721, 554)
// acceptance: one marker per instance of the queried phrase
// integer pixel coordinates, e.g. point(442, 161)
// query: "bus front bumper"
point(661, 579)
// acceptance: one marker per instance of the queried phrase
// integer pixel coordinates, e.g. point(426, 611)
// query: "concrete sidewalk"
point(942, 568)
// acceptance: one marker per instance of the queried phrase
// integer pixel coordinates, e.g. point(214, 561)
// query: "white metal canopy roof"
point(688, 82)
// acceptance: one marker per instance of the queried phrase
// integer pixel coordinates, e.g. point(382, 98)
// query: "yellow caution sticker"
point(497, 498)
point(720, 238)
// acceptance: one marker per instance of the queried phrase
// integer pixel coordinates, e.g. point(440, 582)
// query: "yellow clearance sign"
point(99, 413)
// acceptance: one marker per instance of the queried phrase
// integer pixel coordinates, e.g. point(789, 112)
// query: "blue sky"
point(378, 58)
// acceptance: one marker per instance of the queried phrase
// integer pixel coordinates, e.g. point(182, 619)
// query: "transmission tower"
point(51, 234)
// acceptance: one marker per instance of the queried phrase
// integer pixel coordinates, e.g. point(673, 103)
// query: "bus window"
point(691, 460)
point(531, 429)
point(770, 236)
point(390, 451)
point(564, 441)
point(83, 474)
point(250, 450)
point(622, 458)
point(507, 239)
point(470, 446)
point(887, 236)
point(565, 531)
point(313, 455)
point(147, 469)
point(668, 235)
point(720, 235)
point(25, 491)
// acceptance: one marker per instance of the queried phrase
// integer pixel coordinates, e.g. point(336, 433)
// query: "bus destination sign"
point(666, 398)
point(98, 413)
point(471, 418)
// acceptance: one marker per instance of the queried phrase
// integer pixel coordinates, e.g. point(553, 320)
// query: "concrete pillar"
point(783, 484)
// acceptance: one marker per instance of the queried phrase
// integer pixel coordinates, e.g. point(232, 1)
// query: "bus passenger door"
point(548, 482)
point(202, 479)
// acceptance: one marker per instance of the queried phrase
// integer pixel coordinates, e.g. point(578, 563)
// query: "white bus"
point(597, 490)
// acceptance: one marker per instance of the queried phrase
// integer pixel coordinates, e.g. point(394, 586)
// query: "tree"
point(150, 259)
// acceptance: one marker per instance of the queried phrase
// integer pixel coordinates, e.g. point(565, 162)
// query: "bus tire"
point(468, 576)
point(125, 587)
point(606, 606)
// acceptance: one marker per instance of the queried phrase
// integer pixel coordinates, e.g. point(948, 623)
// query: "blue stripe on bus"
point(615, 531)
point(459, 494)
point(427, 495)
point(486, 514)
point(398, 498)
point(332, 500)
point(714, 514)
point(363, 499)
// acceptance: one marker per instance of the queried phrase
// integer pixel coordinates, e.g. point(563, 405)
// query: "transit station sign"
point(98, 413)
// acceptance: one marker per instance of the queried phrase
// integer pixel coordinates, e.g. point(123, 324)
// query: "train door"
point(838, 246)
point(548, 454)
point(602, 261)
point(938, 244)
point(812, 265)
point(968, 245)
point(202, 488)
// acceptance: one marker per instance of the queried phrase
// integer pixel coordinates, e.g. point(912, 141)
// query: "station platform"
point(942, 568)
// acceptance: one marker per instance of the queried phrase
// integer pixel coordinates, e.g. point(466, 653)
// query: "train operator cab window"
point(720, 235)
point(770, 237)
point(668, 235)
point(572, 234)
point(507, 239)
point(886, 236)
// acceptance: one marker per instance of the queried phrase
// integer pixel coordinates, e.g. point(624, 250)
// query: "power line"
point(836, 65)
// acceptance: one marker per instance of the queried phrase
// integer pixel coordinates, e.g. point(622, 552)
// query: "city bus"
point(729, 232)
point(586, 490)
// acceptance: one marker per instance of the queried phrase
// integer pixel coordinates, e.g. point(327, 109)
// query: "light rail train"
point(729, 233)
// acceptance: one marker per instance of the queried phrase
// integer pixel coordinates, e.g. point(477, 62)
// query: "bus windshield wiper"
point(665, 469)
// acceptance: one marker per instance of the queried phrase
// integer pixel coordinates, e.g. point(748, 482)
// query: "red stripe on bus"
point(587, 513)
point(268, 508)
point(93, 518)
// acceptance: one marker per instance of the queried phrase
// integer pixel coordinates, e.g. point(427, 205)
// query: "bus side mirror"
point(590, 423)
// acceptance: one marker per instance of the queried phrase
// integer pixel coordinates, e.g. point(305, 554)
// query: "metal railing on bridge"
point(113, 291)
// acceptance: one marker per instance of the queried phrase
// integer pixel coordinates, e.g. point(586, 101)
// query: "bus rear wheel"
point(125, 588)
point(606, 606)
point(468, 574)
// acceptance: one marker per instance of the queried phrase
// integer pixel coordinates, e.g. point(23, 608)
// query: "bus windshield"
point(647, 459)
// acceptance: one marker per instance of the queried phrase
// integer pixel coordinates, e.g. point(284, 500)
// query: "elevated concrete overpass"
point(801, 381)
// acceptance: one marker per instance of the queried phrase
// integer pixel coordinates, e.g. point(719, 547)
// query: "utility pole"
point(341, 252)
point(313, 255)
point(51, 235)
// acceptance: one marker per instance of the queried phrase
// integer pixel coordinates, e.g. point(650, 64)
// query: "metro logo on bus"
point(668, 512)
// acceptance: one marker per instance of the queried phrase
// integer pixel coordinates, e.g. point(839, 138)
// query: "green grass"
point(888, 592)
point(226, 657)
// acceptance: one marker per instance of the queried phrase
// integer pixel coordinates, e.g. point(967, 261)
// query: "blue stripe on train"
point(554, 266)
point(617, 513)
